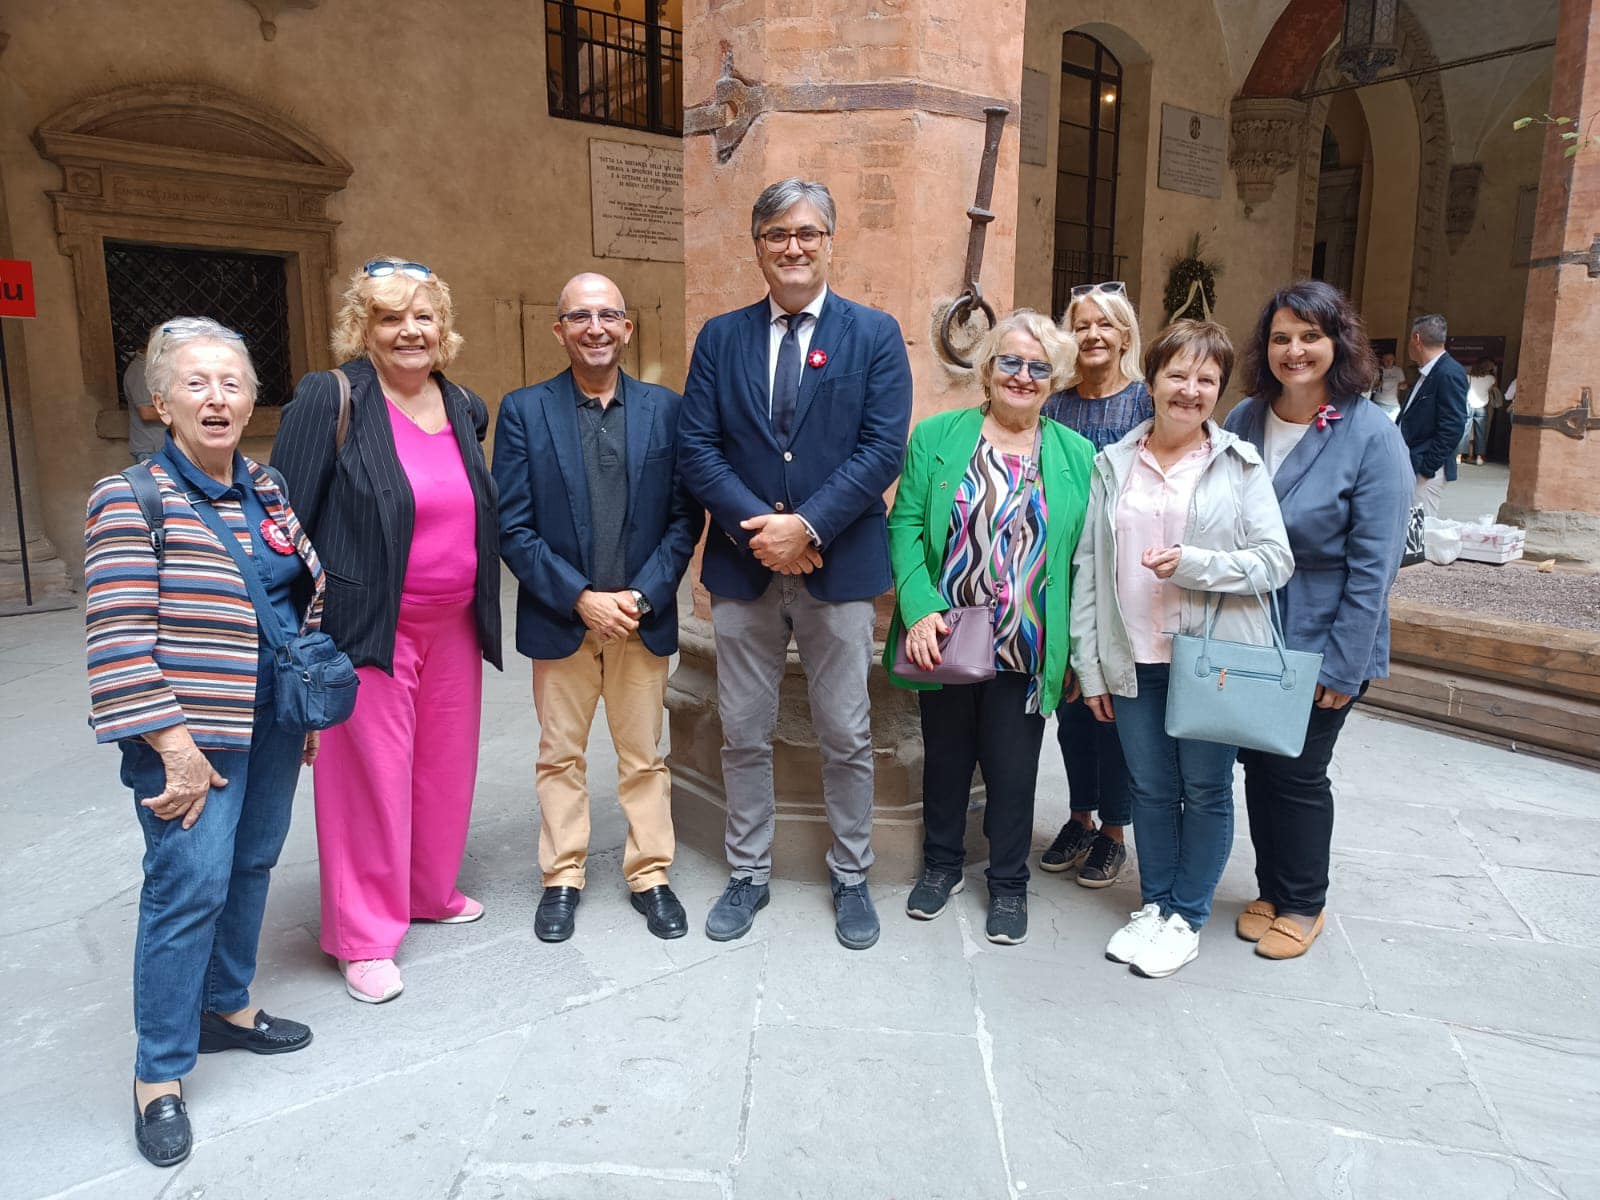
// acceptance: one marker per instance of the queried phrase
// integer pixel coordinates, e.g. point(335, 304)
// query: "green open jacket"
point(941, 449)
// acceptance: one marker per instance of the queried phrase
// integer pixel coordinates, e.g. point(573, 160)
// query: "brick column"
point(885, 106)
point(1555, 478)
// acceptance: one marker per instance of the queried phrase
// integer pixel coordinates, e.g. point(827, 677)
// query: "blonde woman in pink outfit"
point(399, 502)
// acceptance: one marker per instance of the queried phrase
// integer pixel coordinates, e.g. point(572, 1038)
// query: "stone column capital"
point(1268, 138)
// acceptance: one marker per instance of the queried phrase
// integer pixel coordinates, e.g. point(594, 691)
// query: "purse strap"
point(1273, 615)
point(1030, 477)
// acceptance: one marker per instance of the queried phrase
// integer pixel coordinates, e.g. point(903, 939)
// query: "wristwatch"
point(640, 601)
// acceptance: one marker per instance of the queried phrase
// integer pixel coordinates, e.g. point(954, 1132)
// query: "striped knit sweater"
point(181, 645)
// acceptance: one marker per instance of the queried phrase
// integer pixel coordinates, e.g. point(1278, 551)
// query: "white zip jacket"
point(1234, 542)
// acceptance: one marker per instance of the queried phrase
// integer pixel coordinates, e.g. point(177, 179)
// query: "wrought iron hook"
point(971, 298)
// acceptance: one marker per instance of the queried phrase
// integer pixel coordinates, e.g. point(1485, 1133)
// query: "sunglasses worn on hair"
point(1015, 364)
point(382, 268)
point(778, 239)
point(1114, 287)
point(228, 333)
point(579, 317)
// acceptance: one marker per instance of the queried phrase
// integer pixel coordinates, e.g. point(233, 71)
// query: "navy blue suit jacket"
point(545, 526)
point(1345, 494)
point(1434, 418)
point(844, 450)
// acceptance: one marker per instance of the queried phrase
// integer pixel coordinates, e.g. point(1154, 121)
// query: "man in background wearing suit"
point(794, 424)
point(1435, 413)
point(598, 531)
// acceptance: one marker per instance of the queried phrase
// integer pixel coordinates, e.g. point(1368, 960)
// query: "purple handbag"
point(966, 653)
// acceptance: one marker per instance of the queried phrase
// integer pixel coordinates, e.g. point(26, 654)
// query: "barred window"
point(246, 292)
point(623, 67)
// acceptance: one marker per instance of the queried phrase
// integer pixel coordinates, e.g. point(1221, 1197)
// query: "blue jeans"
point(1097, 776)
point(1182, 802)
point(205, 889)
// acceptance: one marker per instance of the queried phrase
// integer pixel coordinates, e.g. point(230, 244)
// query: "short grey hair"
point(1430, 329)
point(780, 197)
point(167, 338)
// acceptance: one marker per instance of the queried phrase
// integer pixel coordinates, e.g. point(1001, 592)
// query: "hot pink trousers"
point(394, 785)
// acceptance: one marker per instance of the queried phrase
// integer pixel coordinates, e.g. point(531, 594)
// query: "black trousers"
point(1097, 773)
point(1290, 802)
point(981, 725)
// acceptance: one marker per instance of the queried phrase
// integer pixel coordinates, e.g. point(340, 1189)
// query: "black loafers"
point(268, 1035)
point(162, 1130)
point(555, 918)
point(663, 914)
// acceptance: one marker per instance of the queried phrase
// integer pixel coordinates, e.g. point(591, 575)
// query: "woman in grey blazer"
point(1343, 480)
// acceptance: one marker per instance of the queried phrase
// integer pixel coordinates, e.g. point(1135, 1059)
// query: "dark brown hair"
point(1355, 366)
point(1204, 339)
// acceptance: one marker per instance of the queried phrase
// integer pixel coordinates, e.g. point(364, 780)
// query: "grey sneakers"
point(933, 892)
point(855, 921)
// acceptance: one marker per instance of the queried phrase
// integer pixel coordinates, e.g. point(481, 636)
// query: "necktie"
point(786, 380)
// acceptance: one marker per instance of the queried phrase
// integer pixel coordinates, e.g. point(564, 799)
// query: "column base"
point(47, 574)
point(1569, 536)
point(801, 837)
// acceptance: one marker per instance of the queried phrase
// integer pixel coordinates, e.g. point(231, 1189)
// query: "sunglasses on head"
point(1114, 287)
point(1015, 364)
point(382, 268)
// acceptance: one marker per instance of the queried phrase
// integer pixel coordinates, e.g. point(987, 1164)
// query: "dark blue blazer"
point(843, 452)
point(1434, 418)
point(545, 526)
point(1345, 494)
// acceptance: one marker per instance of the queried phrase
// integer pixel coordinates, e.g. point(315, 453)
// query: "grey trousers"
point(835, 644)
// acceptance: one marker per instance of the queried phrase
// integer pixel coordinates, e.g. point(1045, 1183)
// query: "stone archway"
point(196, 166)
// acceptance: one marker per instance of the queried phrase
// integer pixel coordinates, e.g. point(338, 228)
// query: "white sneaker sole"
point(461, 918)
point(1147, 973)
point(917, 914)
point(362, 996)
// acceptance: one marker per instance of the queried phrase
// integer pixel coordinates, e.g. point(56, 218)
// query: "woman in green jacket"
point(988, 511)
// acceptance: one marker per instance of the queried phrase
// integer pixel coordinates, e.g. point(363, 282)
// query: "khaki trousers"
point(633, 683)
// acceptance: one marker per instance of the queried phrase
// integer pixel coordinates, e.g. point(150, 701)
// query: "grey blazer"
point(1345, 493)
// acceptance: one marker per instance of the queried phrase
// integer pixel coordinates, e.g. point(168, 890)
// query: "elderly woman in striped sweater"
point(180, 678)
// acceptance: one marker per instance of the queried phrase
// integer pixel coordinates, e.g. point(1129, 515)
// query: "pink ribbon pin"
point(1326, 413)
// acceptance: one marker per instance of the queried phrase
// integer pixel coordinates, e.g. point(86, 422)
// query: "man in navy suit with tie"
point(794, 425)
point(1435, 413)
point(598, 530)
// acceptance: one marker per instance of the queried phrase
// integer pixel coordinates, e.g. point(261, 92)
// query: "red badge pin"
point(818, 358)
point(275, 537)
point(1326, 413)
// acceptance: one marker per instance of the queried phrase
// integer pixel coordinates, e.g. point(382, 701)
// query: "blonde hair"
point(365, 296)
point(1119, 308)
point(1059, 350)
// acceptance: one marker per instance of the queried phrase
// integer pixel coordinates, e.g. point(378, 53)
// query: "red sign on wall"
point(16, 288)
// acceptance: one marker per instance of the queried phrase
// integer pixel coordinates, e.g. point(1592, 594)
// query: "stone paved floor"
point(1442, 1039)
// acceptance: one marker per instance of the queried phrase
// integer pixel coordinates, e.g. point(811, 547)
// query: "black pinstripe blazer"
point(358, 509)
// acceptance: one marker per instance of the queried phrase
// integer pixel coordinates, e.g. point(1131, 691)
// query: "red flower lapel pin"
point(1326, 413)
point(818, 358)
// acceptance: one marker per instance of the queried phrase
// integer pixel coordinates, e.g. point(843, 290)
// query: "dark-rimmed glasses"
point(579, 317)
point(778, 239)
point(382, 268)
point(1015, 364)
point(1114, 287)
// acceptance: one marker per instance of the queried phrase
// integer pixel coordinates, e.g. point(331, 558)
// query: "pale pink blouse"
point(1153, 511)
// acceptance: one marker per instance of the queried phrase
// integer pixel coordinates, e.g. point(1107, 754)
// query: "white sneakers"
point(1153, 946)
point(1130, 939)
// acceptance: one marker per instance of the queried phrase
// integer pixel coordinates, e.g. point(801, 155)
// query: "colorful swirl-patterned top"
point(979, 564)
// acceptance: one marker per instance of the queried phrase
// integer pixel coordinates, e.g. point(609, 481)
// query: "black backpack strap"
point(148, 495)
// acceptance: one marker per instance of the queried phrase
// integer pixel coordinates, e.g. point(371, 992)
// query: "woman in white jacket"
point(1178, 509)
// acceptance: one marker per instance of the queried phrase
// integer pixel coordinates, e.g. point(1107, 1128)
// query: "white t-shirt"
point(1389, 380)
point(1282, 437)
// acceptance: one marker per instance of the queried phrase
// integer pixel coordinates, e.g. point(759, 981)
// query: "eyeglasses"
point(1015, 364)
point(382, 268)
point(778, 239)
point(579, 317)
point(1114, 287)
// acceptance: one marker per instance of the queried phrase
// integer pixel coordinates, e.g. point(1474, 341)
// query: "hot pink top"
point(1153, 511)
point(443, 563)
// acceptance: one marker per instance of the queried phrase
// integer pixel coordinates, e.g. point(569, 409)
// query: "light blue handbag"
point(1257, 697)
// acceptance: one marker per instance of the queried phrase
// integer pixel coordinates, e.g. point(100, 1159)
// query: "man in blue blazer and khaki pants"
point(794, 425)
point(1435, 413)
point(598, 530)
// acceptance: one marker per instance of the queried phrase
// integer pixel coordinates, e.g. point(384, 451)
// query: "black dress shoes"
point(554, 920)
point(162, 1130)
point(663, 914)
point(268, 1035)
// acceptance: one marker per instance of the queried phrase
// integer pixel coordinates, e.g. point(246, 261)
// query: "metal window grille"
point(246, 292)
point(1087, 167)
point(614, 70)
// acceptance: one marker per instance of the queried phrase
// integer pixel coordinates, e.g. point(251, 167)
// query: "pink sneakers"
point(371, 980)
point(470, 911)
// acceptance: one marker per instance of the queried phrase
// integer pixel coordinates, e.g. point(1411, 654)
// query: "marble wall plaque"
point(636, 201)
point(1194, 152)
point(1035, 117)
